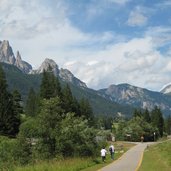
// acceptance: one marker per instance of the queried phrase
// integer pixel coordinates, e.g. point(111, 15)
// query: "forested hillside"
point(23, 82)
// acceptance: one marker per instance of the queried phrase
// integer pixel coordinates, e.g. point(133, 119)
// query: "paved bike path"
point(130, 161)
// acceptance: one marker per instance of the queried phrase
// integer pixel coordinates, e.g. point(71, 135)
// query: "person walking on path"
point(112, 151)
point(103, 154)
point(142, 138)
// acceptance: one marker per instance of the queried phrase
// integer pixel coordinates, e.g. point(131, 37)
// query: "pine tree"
point(168, 125)
point(157, 120)
point(146, 116)
point(67, 99)
point(18, 109)
point(50, 85)
point(32, 103)
point(49, 118)
point(86, 111)
point(56, 86)
point(76, 107)
point(17, 102)
point(9, 120)
point(137, 113)
point(45, 87)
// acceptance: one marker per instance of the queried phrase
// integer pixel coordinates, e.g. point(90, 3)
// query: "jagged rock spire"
point(6, 53)
point(7, 56)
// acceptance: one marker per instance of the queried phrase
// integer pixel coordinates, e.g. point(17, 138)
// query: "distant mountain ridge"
point(7, 56)
point(122, 95)
point(64, 74)
point(23, 82)
point(166, 89)
point(137, 97)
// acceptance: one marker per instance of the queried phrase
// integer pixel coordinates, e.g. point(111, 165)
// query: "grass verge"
point(77, 164)
point(157, 157)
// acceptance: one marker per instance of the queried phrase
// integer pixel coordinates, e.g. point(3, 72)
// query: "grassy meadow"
point(76, 164)
point(157, 157)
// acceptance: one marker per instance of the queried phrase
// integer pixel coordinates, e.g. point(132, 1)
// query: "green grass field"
point(157, 157)
point(76, 164)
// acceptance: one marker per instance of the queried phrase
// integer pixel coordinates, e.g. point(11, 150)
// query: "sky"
point(102, 42)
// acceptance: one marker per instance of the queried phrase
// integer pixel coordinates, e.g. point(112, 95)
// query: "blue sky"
point(102, 42)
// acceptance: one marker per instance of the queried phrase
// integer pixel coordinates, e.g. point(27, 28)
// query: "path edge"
point(140, 161)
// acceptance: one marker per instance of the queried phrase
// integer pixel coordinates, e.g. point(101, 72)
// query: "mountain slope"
point(23, 82)
point(16, 79)
point(166, 90)
point(137, 97)
point(7, 56)
point(116, 98)
point(64, 74)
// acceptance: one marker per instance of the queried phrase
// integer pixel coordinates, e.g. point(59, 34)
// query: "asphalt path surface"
point(130, 161)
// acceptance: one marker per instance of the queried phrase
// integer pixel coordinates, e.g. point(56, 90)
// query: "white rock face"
point(7, 56)
point(166, 90)
point(6, 53)
point(136, 96)
point(22, 65)
point(67, 76)
point(46, 65)
point(64, 74)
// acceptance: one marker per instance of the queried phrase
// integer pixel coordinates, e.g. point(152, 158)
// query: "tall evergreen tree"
point(49, 118)
point(17, 102)
point(76, 107)
point(137, 113)
point(168, 125)
point(9, 120)
point(50, 85)
point(157, 120)
point(32, 103)
point(67, 99)
point(146, 115)
point(17, 107)
point(57, 86)
point(86, 111)
point(46, 90)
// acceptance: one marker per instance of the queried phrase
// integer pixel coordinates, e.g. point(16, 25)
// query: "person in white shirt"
point(103, 154)
point(112, 151)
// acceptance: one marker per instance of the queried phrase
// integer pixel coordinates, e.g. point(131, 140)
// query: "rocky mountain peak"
point(7, 56)
point(18, 57)
point(67, 76)
point(135, 96)
point(64, 74)
point(166, 90)
point(6, 53)
point(46, 65)
point(22, 65)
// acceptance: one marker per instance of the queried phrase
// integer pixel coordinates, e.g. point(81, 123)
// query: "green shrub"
point(8, 152)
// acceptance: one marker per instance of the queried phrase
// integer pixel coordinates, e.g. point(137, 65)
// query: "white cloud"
point(121, 2)
point(137, 17)
point(94, 73)
point(160, 35)
point(164, 4)
point(98, 59)
point(90, 63)
point(135, 62)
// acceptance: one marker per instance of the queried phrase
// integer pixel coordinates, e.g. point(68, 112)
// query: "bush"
point(76, 139)
point(8, 152)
